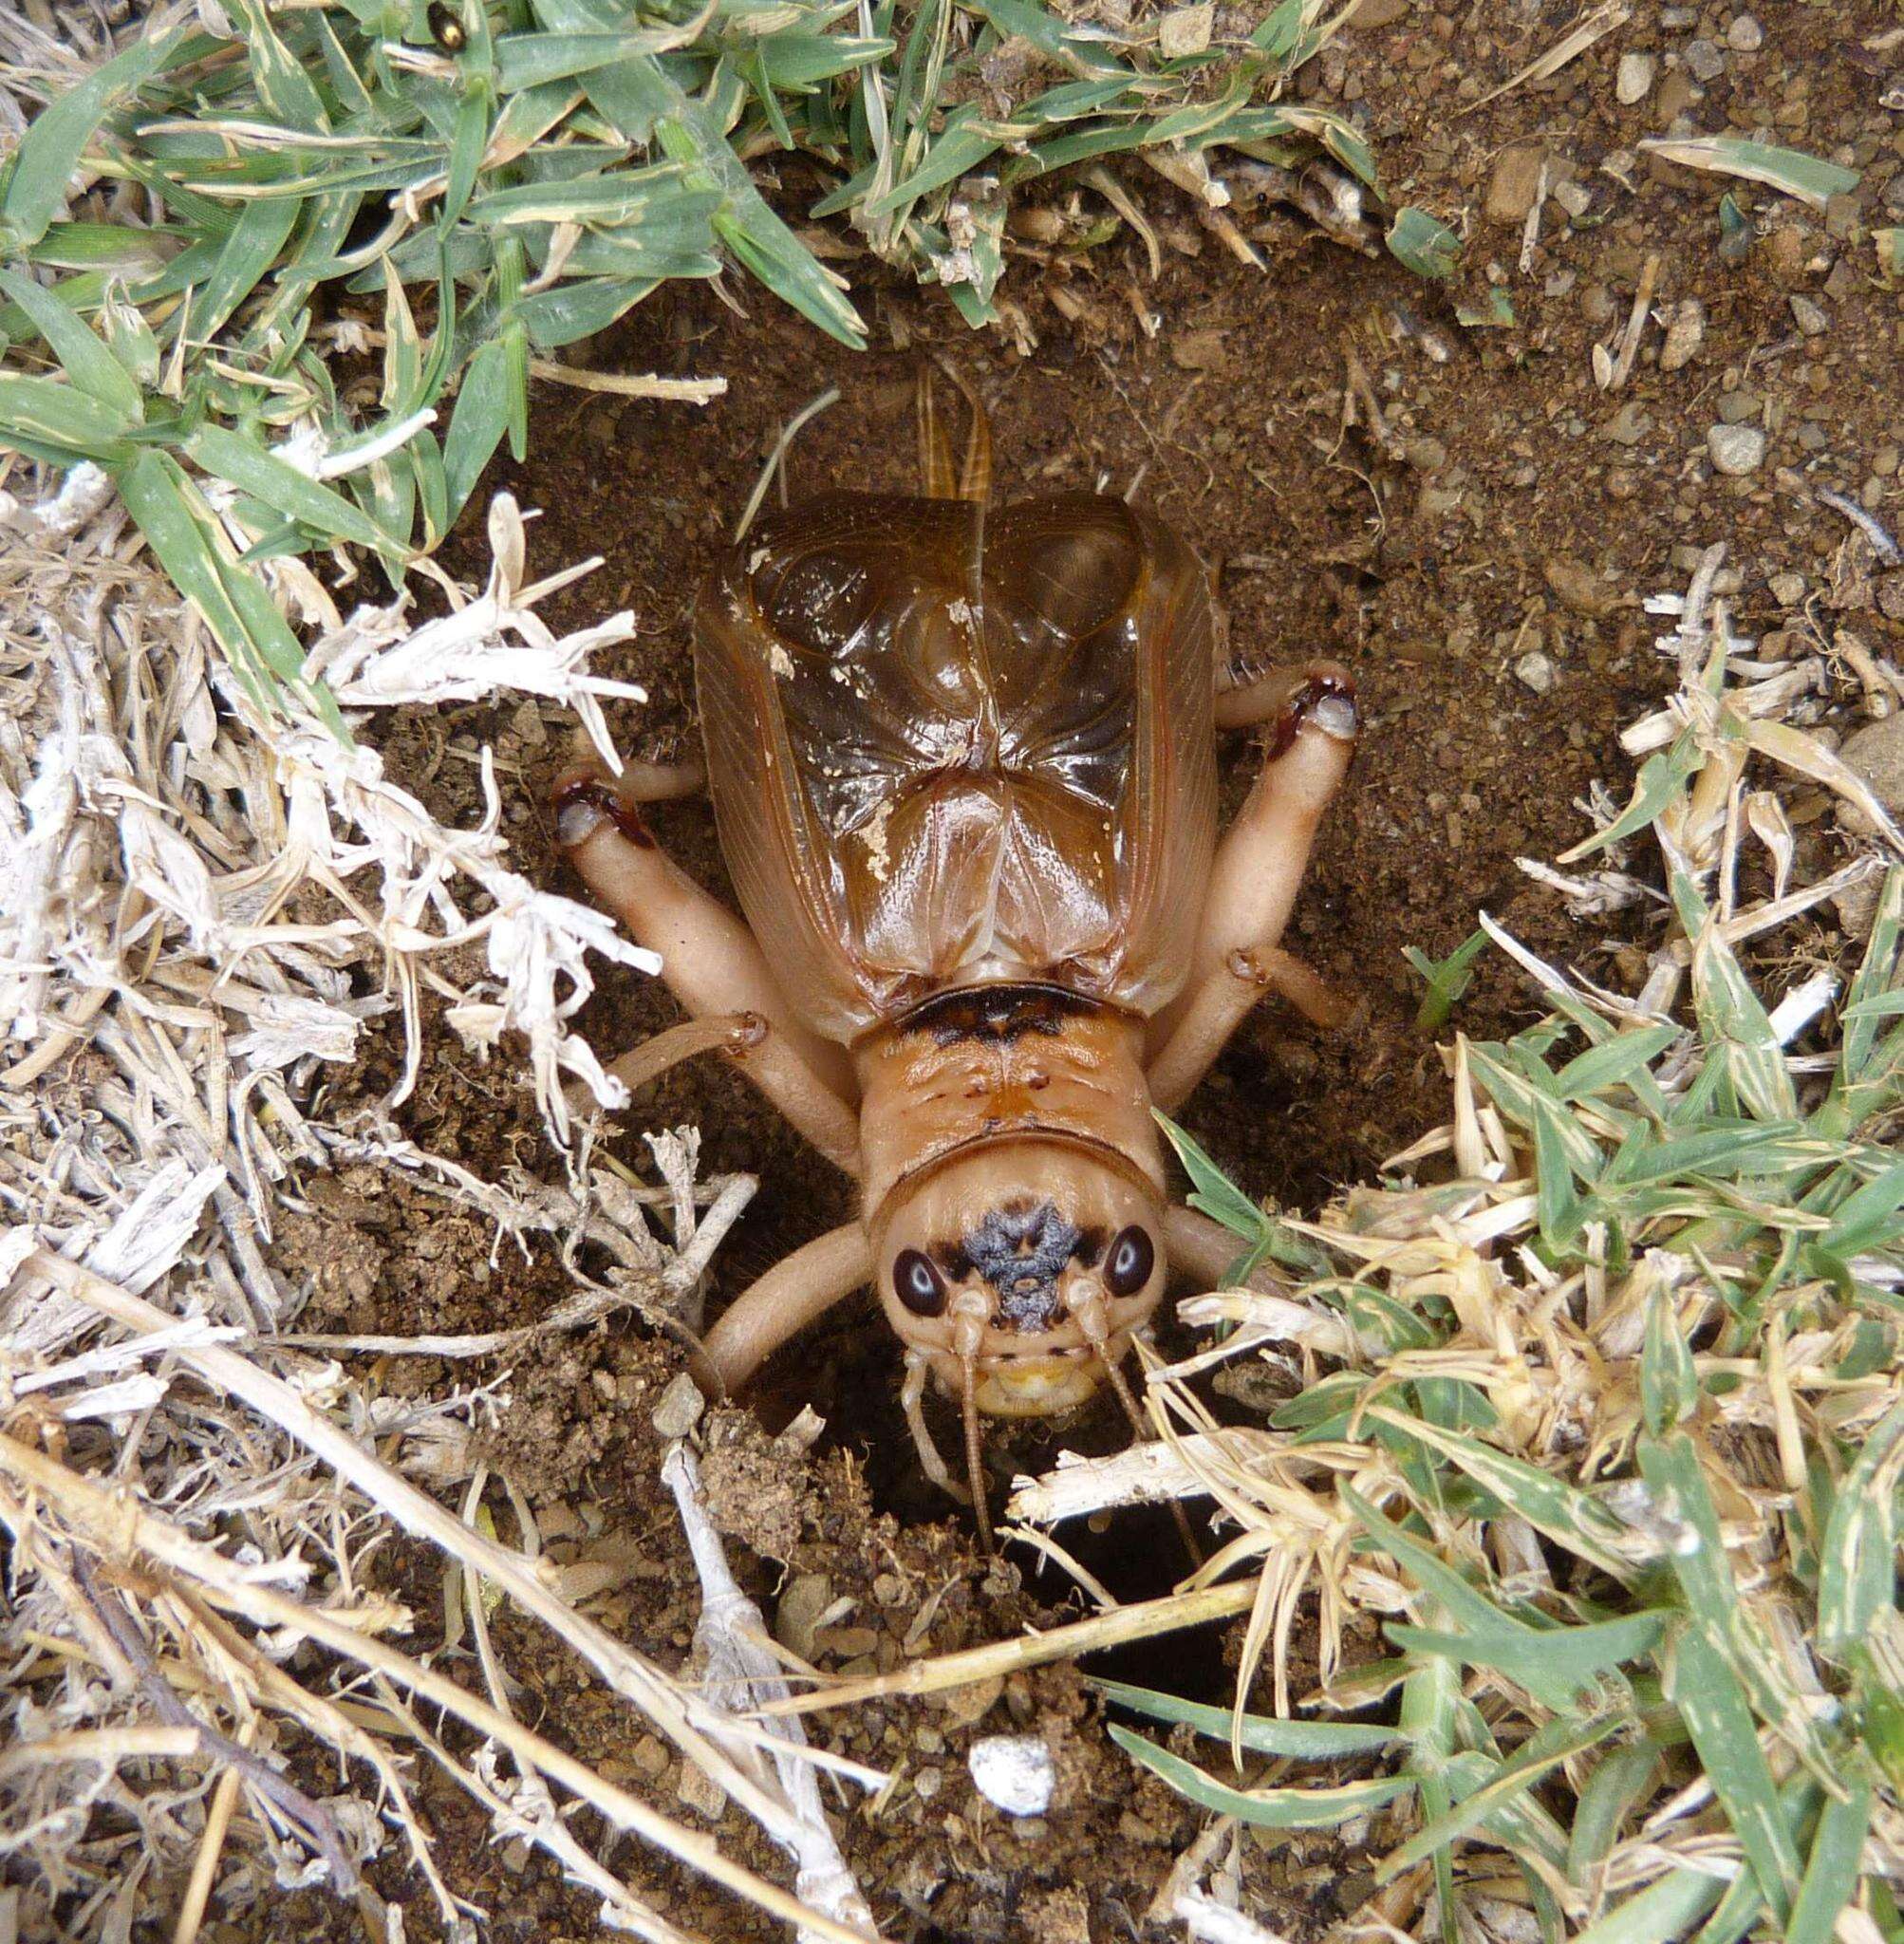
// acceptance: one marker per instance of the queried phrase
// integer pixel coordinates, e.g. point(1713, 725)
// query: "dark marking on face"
point(607, 802)
point(1020, 1249)
point(997, 1013)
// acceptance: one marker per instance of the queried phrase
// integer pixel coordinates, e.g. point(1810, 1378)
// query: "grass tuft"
point(1596, 1422)
point(197, 229)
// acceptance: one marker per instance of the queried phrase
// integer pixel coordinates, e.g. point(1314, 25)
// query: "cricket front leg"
point(794, 1292)
point(710, 961)
point(1311, 723)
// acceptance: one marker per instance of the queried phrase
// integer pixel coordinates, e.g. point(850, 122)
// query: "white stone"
point(1746, 35)
point(1014, 1772)
point(1535, 669)
point(1185, 30)
point(1633, 82)
point(1736, 449)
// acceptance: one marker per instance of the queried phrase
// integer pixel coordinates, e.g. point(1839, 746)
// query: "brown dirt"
point(1515, 507)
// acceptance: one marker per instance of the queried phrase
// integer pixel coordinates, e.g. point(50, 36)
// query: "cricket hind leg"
point(1311, 721)
point(710, 961)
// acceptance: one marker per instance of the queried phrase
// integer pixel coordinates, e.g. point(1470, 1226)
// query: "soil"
point(1510, 509)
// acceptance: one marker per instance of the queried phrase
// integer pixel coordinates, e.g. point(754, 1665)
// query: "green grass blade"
point(1669, 1385)
point(1578, 1656)
point(1427, 246)
point(260, 232)
point(1212, 1192)
point(478, 423)
point(1565, 1514)
point(1703, 1685)
point(287, 490)
point(1306, 1740)
point(1269, 1808)
point(84, 359)
point(1558, 1742)
point(1447, 978)
point(154, 492)
point(43, 412)
point(42, 165)
point(1834, 1865)
point(1858, 1559)
point(1617, 1786)
point(1660, 1913)
point(1430, 1704)
point(1661, 779)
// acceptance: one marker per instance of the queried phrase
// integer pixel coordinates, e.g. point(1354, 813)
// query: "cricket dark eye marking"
point(1133, 1257)
point(917, 1284)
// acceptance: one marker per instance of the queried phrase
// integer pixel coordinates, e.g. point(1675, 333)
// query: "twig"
point(1113, 1629)
point(628, 385)
point(1635, 321)
point(114, 1521)
point(677, 1714)
point(1568, 48)
point(778, 458)
point(314, 1822)
point(740, 1672)
point(1869, 524)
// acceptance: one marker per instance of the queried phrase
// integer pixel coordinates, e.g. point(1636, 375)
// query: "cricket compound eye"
point(1133, 1257)
point(917, 1284)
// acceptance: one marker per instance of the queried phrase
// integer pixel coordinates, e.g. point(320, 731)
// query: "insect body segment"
point(963, 764)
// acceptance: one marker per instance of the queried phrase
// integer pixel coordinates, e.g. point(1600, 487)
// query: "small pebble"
point(1515, 185)
point(1875, 754)
point(1844, 215)
point(1575, 197)
point(700, 1793)
point(1811, 317)
point(1745, 35)
point(1736, 450)
point(1536, 670)
point(1704, 61)
point(679, 1408)
point(1185, 30)
point(1633, 82)
point(1739, 407)
point(1788, 590)
point(1014, 1772)
point(1685, 333)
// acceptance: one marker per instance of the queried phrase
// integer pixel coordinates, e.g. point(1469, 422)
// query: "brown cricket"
point(963, 769)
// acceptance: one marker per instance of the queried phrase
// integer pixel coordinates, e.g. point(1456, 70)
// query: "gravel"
point(1536, 671)
point(1736, 450)
point(1635, 79)
point(1704, 60)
